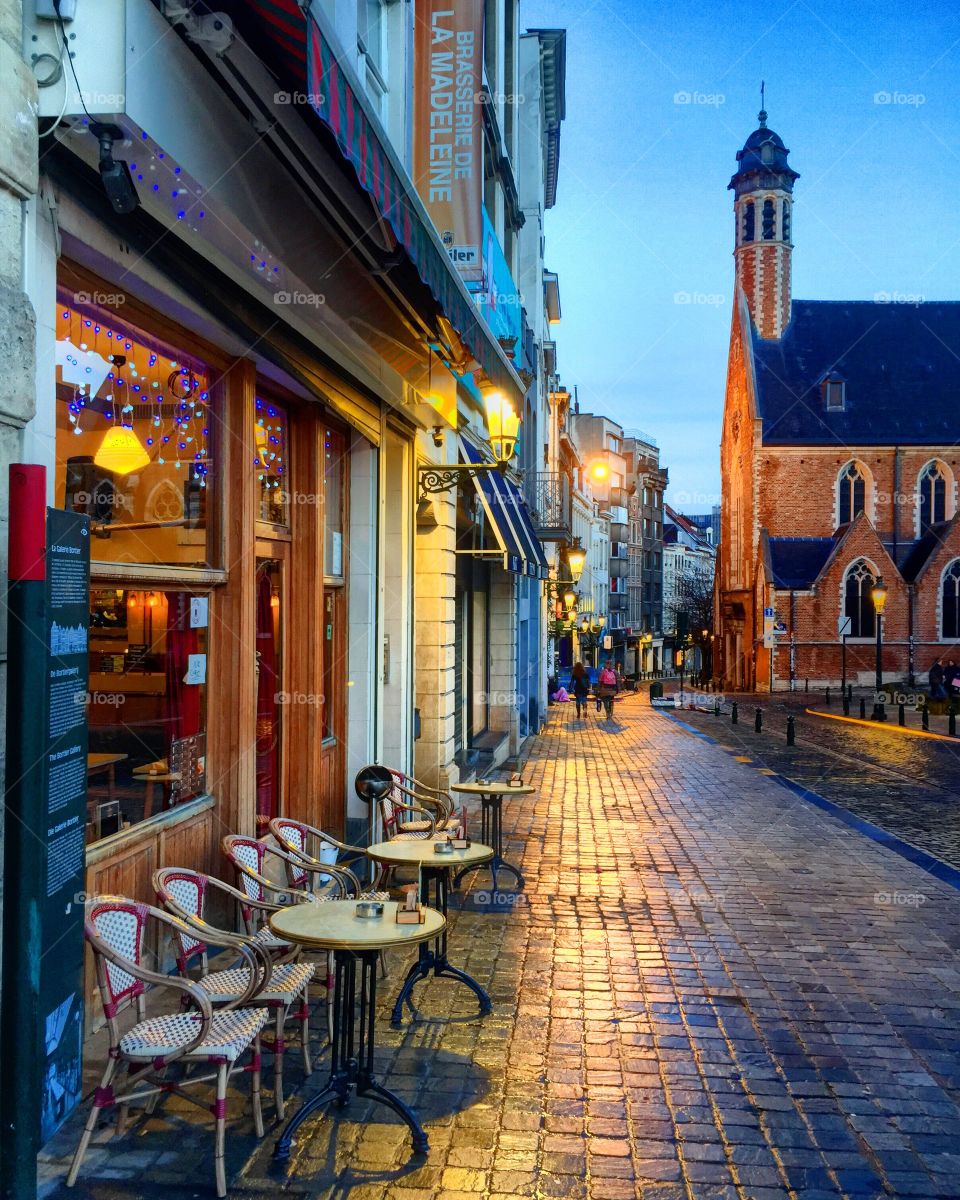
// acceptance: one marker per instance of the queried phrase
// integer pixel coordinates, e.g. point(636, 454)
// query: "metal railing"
point(548, 497)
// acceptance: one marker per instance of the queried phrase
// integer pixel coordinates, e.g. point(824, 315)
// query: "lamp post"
point(878, 594)
point(503, 428)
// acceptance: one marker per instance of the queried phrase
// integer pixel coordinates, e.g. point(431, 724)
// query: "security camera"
point(117, 180)
point(437, 436)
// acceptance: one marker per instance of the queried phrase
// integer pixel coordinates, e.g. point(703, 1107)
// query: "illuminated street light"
point(878, 594)
point(576, 560)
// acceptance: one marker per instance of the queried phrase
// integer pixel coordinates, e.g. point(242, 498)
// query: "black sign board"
point(48, 607)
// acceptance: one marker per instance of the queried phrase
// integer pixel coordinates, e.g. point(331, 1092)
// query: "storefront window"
point(335, 447)
point(134, 447)
point(271, 461)
point(147, 705)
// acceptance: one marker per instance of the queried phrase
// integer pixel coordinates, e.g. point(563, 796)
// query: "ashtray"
point(369, 908)
point(443, 847)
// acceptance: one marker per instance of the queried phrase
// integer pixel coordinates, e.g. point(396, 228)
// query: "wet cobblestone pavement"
point(710, 990)
point(906, 785)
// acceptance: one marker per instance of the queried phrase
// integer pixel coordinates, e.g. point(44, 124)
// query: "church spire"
point(763, 204)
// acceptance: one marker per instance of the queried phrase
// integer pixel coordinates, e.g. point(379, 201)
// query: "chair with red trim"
point(117, 930)
point(184, 893)
point(377, 785)
point(305, 843)
point(438, 802)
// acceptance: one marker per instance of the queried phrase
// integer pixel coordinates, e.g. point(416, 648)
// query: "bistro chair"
point(184, 893)
point(442, 805)
point(377, 785)
point(252, 859)
point(305, 844)
point(117, 930)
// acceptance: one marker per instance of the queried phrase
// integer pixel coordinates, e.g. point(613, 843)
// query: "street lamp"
point(570, 599)
point(503, 427)
point(576, 560)
point(878, 594)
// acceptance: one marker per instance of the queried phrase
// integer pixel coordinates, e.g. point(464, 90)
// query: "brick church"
point(839, 464)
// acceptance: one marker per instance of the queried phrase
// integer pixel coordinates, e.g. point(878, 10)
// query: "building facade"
point(248, 361)
point(838, 464)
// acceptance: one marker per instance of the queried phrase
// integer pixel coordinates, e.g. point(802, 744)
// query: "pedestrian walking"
point(951, 678)
point(580, 684)
point(607, 688)
point(935, 678)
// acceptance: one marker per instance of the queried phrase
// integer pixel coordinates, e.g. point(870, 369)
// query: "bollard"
point(901, 714)
point(863, 709)
point(952, 721)
point(734, 713)
point(924, 717)
point(828, 697)
point(791, 731)
point(758, 721)
point(849, 691)
point(846, 705)
point(716, 708)
point(806, 685)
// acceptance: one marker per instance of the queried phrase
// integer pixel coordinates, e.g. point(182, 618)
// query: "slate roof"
point(921, 550)
point(797, 561)
point(900, 363)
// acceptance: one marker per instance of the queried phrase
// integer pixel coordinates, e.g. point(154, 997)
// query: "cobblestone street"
point(709, 990)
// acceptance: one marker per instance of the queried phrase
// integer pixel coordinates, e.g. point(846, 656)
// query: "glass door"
point(270, 694)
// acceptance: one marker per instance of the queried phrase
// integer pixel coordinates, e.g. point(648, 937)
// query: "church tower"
point(763, 204)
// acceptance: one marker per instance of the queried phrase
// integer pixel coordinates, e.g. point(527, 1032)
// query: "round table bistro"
point(434, 869)
point(491, 796)
point(335, 926)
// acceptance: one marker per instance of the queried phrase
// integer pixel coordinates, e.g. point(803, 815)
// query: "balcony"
point(548, 498)
point(618, 515)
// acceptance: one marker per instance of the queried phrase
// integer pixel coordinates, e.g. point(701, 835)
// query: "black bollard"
point(952, 721)
point(716, 708)
point(863, 709)
point(791, 731)
point(734, 713)
point(901, 714)
point(924, 717)
point(849, 691)
point(828, 697)
point(806, 685)
point(758, 721)
point(846, 705)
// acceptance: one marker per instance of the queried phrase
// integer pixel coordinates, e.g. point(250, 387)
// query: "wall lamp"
point(503, 427)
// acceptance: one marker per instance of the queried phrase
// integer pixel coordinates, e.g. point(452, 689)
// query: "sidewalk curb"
point(887, 726)
point(921, 858)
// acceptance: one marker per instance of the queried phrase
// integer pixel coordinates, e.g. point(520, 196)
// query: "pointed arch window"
point(852, 493)
point(769, 219)
point(933, 496)
point(950, 601)
point(857, 601)
point(749, 221)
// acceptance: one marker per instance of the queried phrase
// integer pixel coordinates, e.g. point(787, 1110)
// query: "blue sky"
point(866, 100)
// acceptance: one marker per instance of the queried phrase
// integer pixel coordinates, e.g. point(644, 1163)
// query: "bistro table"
point(354, 940)
point(491, 821)
point(434, 869)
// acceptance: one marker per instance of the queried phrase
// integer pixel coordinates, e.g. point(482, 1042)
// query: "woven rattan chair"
point(303, 843)
point(184, 893)
point(117, 930)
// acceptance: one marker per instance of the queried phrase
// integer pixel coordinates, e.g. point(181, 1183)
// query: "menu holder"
point(515, 781)
point(411, 916)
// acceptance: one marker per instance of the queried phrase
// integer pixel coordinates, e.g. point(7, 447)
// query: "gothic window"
point(950, 601)
point(769, 219)
point(785, 222)
point(852, 493)
point(857, 600)
point(749, 221)
point(933, 496)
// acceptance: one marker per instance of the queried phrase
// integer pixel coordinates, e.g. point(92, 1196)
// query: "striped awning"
point(303, 49)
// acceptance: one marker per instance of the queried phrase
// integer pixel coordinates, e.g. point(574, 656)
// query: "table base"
point(435, 961)
point(352, 1047)
point(491, 833)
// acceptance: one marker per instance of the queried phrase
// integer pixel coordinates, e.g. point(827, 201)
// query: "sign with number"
point(769, 622)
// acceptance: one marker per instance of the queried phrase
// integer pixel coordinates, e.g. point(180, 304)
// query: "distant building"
point(689, 559)
point(839, 465)
point(708, 523)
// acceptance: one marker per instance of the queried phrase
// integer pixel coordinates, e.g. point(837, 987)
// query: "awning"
point(509, 518)
point(303, 49)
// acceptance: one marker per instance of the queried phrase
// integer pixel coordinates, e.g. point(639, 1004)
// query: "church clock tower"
point(763, 205)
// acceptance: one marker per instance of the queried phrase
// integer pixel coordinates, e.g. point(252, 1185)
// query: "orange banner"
point(447, 130)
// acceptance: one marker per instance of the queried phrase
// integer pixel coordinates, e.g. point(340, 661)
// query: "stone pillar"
point(434, 645)
point(503, 656)
point(18, 183)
